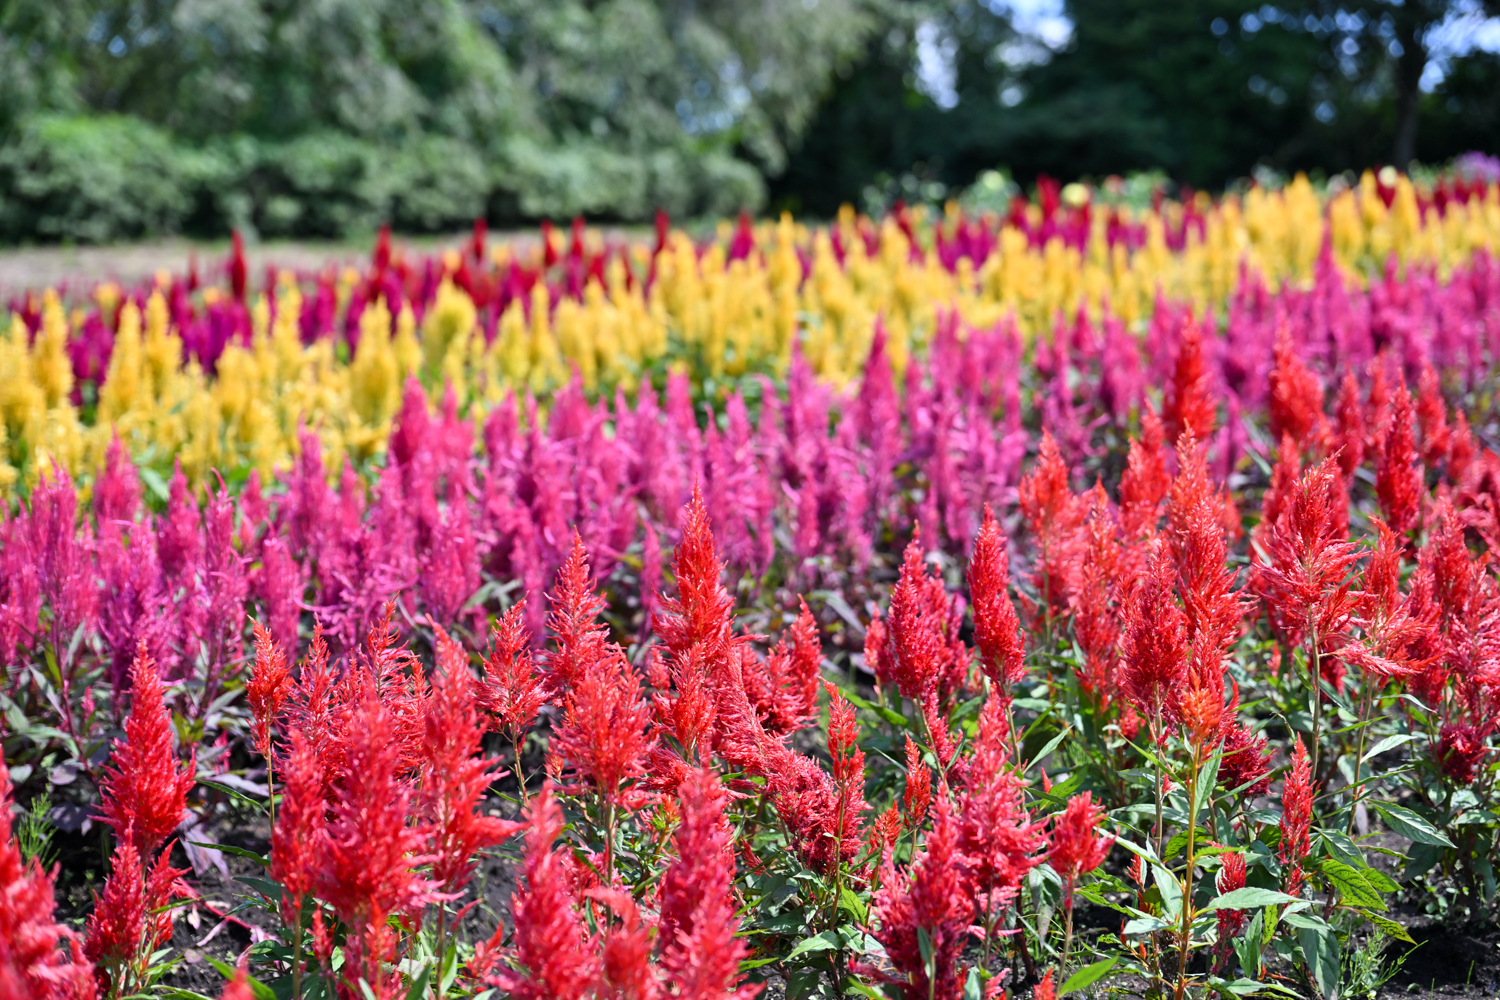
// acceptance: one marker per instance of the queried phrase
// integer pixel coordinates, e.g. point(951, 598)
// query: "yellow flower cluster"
point(717, 318)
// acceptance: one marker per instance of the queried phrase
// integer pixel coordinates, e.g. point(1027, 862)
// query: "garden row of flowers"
point(224, 374)
point(1159, 655)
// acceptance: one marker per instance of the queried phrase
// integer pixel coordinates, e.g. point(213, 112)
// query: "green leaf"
point(827, 941)
point(890, 715)
point(1389, 743)
point(1320, 946)
point(853, 905)
point(1390, 926)
point(1145, 925)
point(1412, 826)
point(1353, 889)
point(1249, 898)
point(258, 989)
point(1208, 776)
point(1050, 746)
point(1248, 947)
point(238, 852)
point(419, 984)
point(1087, 976)
point(266, 887)
point(1171, 891)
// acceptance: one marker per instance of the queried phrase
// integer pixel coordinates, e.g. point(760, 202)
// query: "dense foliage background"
point(129, 118)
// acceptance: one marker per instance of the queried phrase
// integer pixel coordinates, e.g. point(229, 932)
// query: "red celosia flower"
point(574, 621)
point(1432, 417)
point(1144, 483)
point(296, 839)
point(915, 628)
point(1200, 551)
point(821, 815)
point(31, 941)
point(604, 732)
point(1245, 765)
point(1461, 450)
point(1046, 989)
point(1296, 403)
point(1231, 922)
point(1349, 426)
point(512, 692)
point(702, 611)
point(132, 918)
point(1096, 618)
point(918, 792)
point(267, 690)
point(626, 972)
point(700, 950)
point(931, 898)
point(1398, 635)
point(1189, 405)
point(1398, 474)
point(555, 955)
point(368, 865)
point(1460, 750)
point(879, 655)
point(454, 780)
point(1154, 646)
point(997, 629)
point(1296, 818)
point(1308, 556)
point(996, 837)
point(784, 690)
point(1077, 847)
point(238, 988)
point(144, 791)
point(1053, 516)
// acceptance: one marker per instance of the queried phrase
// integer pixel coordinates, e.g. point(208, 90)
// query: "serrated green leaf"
point(1353, 889)
point(1390, 926)
point(1087, 976)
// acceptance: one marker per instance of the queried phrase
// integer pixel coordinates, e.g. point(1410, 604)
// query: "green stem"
point(1184, 933)
point(1315, 672)
point(1359, 768)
